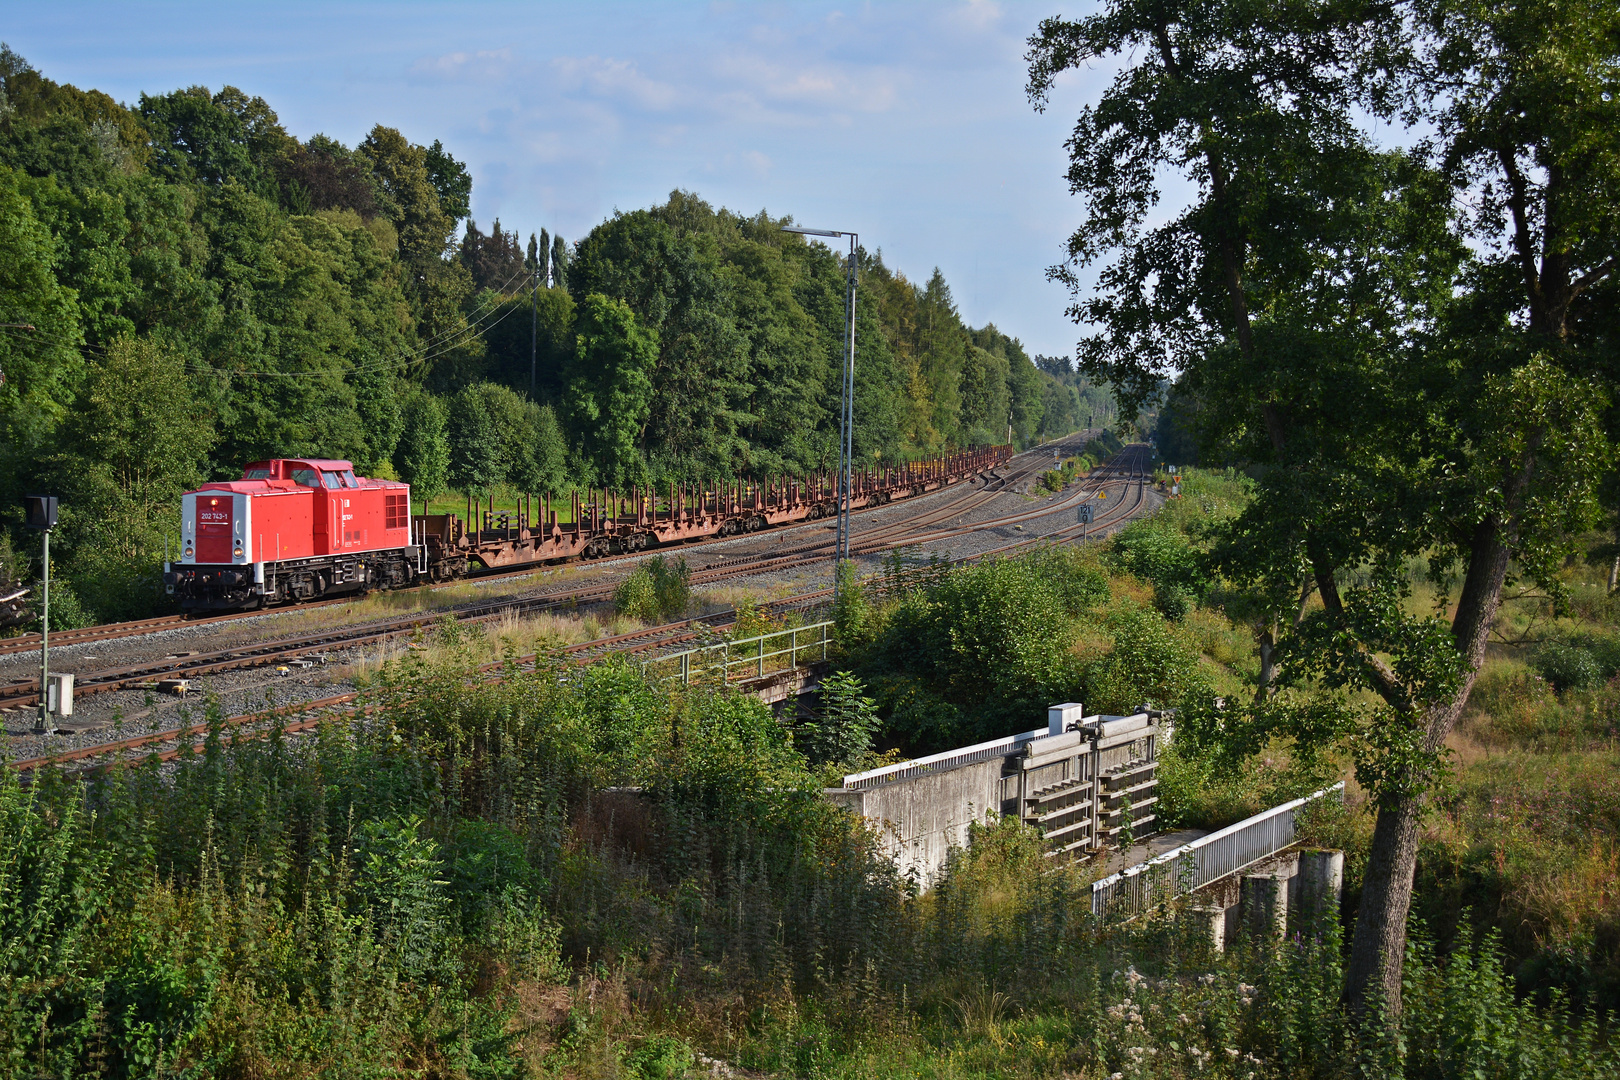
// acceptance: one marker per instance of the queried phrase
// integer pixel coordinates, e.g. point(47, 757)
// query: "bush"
point(848, 719)
point(658, 590)
point(984, 650)
point(1164, 558)
point(852, 615)
point(1568, 666)
point(660, 1058)
point(1149, 665)
point(1173, 602)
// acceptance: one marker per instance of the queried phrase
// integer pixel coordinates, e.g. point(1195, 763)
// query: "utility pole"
point(40, 513)
point(846, 419)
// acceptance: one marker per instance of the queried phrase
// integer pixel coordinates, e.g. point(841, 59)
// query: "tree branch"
point(1385, 682)
point(1518, 200)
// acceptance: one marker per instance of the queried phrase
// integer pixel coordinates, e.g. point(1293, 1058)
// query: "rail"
point(1209, 858)
point(756, 657)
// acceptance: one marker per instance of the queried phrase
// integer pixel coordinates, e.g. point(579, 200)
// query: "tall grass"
point(573, 871)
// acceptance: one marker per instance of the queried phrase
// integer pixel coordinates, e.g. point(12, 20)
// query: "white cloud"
point(789, 81)
point(620, 80)
point(976, 14)
point(481, 66)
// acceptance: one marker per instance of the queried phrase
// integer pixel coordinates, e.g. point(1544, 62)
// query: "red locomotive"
point(292, 530)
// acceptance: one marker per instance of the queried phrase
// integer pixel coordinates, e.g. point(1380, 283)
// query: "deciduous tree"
point(1416, 381)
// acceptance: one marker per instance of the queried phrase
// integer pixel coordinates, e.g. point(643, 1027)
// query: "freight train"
point(298, 529)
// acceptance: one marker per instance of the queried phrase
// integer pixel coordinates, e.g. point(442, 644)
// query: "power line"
point(421, 353)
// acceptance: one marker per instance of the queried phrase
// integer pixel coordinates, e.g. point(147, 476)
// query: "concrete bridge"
point(1086, 782)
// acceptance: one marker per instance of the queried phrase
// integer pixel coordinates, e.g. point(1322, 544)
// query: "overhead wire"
point(449, 339)
point(460, 333)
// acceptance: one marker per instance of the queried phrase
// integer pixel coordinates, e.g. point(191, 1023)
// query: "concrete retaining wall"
point(921, 818)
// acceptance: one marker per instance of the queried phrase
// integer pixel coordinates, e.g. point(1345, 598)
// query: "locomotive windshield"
point(331, 479)
point(306, 477)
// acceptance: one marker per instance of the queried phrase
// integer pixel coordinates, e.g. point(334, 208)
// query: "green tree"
point(136, 440)
point(202, 137)
point(670, 275)
point(439, 288)
point(1416, 382)
point(549, 453)
point(559, 262)
point(42, 366)
point(477, 446)
point(450, 180)
point(610, 387)
point(422, 455)
point(986, 401)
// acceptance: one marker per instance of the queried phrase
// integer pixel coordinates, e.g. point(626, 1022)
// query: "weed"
point(658, 590)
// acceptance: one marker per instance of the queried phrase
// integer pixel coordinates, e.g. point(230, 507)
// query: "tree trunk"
point(1268, 663)
point(1614, 565)
point(1378, 950)
point(1379, 945)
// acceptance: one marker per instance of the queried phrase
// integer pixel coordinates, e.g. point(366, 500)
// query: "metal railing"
point(742, 659)
point(1209, 858)
point(949, 759)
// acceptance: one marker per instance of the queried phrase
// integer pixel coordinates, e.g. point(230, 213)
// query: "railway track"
point(307, 648)
point(298, 718)
point(683, 632)
point(25, 643)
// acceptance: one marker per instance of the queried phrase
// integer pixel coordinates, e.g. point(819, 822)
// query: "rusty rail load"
point(600, 522)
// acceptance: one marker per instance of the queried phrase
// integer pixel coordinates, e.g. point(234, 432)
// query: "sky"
point(905, 122)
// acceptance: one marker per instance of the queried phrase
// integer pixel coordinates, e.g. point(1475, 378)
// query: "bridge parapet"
point(1083, 781)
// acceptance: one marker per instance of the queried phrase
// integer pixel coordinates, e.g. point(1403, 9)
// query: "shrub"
point(1173, 602)
point(658, 590)
point(852, 615)
point(1164, 558)
point(983, 650)
point(1568, 666)
point(660, 1058)
point(847, 721)
point(1149, 665)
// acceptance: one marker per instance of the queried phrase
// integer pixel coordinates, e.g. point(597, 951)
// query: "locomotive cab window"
point(348, 479)
point(256, 474)
point(331, 479)
point(306, 477)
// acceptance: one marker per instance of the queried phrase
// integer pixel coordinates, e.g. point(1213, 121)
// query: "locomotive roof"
point(325, 464)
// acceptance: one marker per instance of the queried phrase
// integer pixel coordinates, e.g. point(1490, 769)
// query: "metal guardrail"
point(1209, 858)
point(741, 659)
point(949, 759)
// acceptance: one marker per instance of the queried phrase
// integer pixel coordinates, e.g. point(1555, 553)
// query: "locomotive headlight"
point(237, 551)
point(188, 551)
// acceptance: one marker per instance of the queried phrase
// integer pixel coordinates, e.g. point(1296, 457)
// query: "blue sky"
point(904, 121)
